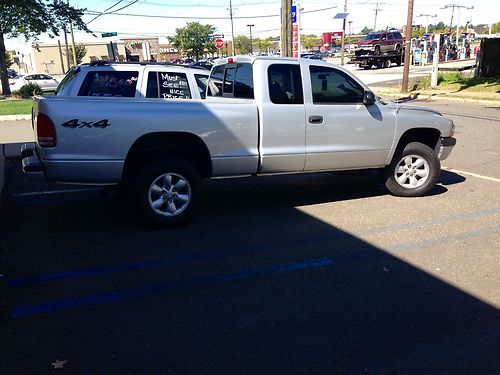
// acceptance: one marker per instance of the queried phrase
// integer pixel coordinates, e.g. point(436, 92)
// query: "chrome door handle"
point(316, 119)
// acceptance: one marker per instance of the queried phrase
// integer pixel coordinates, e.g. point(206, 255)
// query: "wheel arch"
point(427, 136)
point(158, 145)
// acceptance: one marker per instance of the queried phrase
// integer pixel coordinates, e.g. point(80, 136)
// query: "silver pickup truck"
point(262, 116)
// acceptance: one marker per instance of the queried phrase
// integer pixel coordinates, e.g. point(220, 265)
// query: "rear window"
point(110, 84)
point(168, 85)
point(201, 81)
point(231, 80)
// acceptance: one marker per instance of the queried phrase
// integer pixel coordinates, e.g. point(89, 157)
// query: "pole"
point(232, 27)
point(343, 35)
point(72, 39)
point(435, 61)
point(251, 44)
point(286, 28)
point(406, 70)
point(458, 27)
point(61, 56)
point(67, 47)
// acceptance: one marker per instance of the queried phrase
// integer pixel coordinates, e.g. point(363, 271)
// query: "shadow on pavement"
point(366, 312)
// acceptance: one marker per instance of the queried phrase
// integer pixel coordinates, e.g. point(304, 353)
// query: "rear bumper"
point(31, 164)
point(446, 147)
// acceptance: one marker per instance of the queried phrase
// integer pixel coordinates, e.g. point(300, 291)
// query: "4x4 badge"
point(75, 123)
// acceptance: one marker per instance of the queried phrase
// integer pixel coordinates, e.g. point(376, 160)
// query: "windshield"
point(372, 37)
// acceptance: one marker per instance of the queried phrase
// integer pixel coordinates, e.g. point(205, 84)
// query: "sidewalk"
point(14, 117)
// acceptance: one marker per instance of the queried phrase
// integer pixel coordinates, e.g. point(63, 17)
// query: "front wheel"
point(168, 192)
point(412, 172)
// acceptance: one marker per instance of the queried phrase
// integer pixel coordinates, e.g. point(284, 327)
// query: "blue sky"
point(362, 13)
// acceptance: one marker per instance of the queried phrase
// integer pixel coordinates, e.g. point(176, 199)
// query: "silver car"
point(46, 82)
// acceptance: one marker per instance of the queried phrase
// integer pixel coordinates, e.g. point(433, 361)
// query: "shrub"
point(29, 90)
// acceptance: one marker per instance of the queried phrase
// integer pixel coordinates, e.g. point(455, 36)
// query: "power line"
point(91, 12)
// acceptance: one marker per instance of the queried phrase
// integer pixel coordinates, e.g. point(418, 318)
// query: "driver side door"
point(341, 131)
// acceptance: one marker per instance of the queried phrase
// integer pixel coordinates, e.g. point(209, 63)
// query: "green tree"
point(366, 30)
point(194, 39)
point(32, 18)
point(263, 44)
point(438, 28)
point(8, 60)
point(242, 44)
point(310, 41)
point(495, 28)
point(81, 51)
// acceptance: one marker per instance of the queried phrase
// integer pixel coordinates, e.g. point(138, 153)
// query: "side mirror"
point(368, 98)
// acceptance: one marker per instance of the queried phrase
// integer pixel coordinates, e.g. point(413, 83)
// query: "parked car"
point(201, 64)
point(381, 42)
point(46, 82)
point(310, 56)
point(134, 80)
point(11, 73)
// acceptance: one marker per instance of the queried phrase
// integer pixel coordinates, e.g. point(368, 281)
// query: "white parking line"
point(472, 174)
point(34, 193)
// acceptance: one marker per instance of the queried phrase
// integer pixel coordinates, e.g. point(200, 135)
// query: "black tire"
point(376, 51)
point(387, 63)
point(175, 186)
point(398, 62)
point(405, 168)
point(367, 67)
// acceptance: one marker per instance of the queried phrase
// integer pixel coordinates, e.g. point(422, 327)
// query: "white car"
point(46, 82)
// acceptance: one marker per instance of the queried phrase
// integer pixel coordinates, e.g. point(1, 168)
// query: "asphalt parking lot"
point(319, 273)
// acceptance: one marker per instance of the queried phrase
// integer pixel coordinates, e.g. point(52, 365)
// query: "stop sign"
point(219, 43)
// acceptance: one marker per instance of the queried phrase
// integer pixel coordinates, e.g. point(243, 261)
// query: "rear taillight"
point(45, 131)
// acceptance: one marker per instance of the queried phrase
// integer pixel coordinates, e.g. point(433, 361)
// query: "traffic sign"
point(219, 43)
point(106, 35)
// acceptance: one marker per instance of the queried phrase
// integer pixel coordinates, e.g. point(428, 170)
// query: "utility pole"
point(406, 70)
point(66, 46)
point(427, 20)
point(72, 39)
point(232, 27)
point(251, 44)
point(286, 28)
point(376, 14)
point(61, 56)
point(458, 6)
point(343, 35)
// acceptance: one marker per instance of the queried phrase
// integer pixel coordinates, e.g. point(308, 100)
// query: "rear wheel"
point(398, 48)
point(387, 63)
point(168, 192)
point(412, 172)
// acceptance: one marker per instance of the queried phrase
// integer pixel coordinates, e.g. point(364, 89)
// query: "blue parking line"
point(104, 270)
point(120, 295)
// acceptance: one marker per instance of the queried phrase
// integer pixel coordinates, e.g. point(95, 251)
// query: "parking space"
point(317, 273)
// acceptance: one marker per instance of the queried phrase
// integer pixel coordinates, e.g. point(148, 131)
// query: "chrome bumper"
point(447, 145)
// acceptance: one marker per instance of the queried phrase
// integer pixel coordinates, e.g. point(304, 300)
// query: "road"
point(317, 274)
point(373, 76)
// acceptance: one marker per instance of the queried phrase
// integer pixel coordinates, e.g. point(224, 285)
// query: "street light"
point(427, 20)
point(251, 45)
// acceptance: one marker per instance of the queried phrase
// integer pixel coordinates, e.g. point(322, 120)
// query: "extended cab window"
point(285, 84)
point(168, 85)
point(333, 86)
point(231, 80)
point(65, 86)
point(109, 83)
point(201, 81)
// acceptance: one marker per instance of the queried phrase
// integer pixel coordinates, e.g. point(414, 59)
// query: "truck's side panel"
point(85, 138)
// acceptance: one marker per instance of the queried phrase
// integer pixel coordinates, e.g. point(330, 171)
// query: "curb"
point(14, 117)
point(434, 96)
